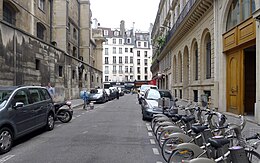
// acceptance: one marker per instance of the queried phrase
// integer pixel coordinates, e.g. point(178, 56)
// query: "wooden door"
point(234, 83)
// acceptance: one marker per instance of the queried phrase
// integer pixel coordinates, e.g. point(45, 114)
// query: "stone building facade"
point(213, 47)
point(50, 41)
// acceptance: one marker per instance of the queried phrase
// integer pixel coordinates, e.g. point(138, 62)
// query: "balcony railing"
point(178, 22)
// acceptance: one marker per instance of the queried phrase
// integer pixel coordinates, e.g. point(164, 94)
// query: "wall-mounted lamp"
point(164, 26)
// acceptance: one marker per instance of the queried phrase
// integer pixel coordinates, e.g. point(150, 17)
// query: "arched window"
point(196, 62)
point(174, 70)
point(9, 13)
point(239, 11)
point(41, 30)
point(180, 67)
point(208, 56)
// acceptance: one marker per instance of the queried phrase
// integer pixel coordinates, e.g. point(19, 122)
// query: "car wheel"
point(50, 122)
point(6, 140)
point(143, 117)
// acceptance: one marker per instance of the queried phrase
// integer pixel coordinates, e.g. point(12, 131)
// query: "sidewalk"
point(76, 103)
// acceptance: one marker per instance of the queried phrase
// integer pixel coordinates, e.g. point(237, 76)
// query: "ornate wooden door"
point(234, 82)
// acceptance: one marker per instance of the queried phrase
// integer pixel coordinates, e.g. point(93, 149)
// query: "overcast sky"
point(109, 13)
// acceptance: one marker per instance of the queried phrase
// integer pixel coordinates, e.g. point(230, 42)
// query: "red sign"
point(153, 82)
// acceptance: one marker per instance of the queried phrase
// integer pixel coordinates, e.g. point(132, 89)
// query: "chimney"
point(122, 28)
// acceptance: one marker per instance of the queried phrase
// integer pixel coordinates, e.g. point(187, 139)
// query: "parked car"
point(98, 95)
point(150, 102)
point(23, 110)
point(109, 94)
point(142, 90)
point(113, 89)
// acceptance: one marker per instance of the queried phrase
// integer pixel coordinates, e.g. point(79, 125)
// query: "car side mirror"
point(18, 105)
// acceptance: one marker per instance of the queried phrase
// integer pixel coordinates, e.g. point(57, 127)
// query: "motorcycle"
point(63, 111)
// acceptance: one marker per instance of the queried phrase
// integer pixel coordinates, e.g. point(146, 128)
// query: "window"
point(131, 59)
point(74, 33)
point(73, 74)
point(145, 53)
point(138, 53)
point(195, 95)
point(126, 69)
point(114, 69)
point(114, 41)
point(105, 32)
point(106, 60)
point(21, 96)
point(69, 28)
point(9, 13)
point(120, 69)
point(247, 7)
point(139, 44)
point(86, 77)
point(180, 94)
point(131, 78)
point(126, 59)
point(128, 41)
point(41, 4)
point(131, 50)
point(145, 77)
point(106, 78)
point(208, 59)
point(106, 70)
point(60, 71)
point(138, 70)
point(126, 50)
point(145, 44)
point(196, 62)
point(131, 69)
point(114, 50)
point(126, 78)
point(68, 48)
point(120, 51)
point(145, 62)
point(37, 64)
point(40, 30)
point(74, 51)
point(138, 61)
point(120, 41)
point(114, 59)
point(138, 77)
point(116, 33)
point(92, 78)
point(145, 70)
point(106, 51)
point(120, 60)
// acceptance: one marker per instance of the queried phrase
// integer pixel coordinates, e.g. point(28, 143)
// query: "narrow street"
point(111, 133)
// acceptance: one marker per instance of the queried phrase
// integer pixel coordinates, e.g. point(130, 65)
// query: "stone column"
point(256, 15)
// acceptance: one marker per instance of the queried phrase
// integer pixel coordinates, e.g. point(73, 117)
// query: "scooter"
point(63, 111)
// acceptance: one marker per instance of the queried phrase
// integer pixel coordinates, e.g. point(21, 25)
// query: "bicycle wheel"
point(253, 156)
point(179, 155)
point(164, 135)
point(169, 146)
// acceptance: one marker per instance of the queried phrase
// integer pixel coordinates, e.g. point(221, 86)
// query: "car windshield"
point(166, 94)
point(4, 95)
point(144, 87)
point(153, 94)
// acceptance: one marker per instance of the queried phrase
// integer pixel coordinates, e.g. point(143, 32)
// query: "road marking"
point(147, 124)
point(58, 125)
point(85, 132)
point(6, 158)
point(82, 113)
point(158, 162)
point(155, 151)
point(149, 128)
point(78, 116)
point(73, 118)
point(150, 134)
point(152, 141)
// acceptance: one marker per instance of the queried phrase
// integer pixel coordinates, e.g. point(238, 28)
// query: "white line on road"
point(155, 151)
point(149, 128)
point(147, 124)
point(6, 158)
point(78, 116)
point(152, 141)
point(85, 132)
point(150, 134)
point(73, 118)
point(158, 162)
point(82, 113)
point(58, 125)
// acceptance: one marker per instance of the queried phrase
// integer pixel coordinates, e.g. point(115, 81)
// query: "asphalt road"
point(111, 133)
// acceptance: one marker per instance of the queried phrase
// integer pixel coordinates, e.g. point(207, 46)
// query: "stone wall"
point(26, 60)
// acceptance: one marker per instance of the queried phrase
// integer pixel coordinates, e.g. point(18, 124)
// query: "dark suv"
point(22, 110)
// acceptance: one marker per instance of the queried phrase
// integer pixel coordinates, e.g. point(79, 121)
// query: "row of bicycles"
point(193, 134)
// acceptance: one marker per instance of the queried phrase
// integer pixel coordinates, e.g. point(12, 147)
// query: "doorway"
point(249, 80)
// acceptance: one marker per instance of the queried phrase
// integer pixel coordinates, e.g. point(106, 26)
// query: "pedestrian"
point(51, 90)
point(117, 93)
point(86, 99)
